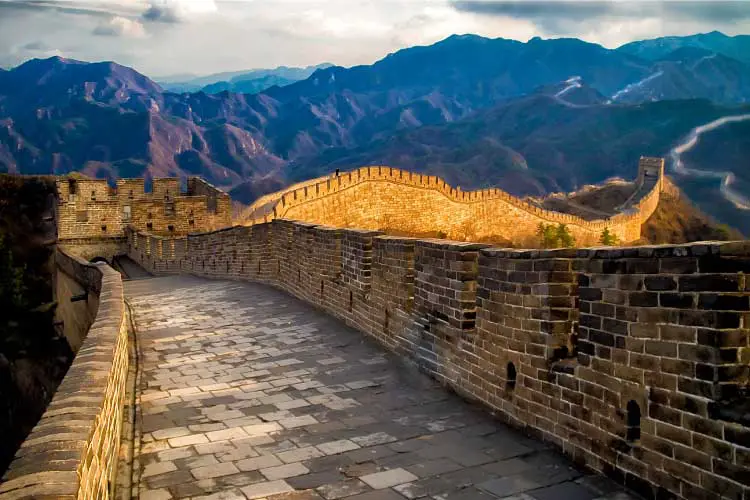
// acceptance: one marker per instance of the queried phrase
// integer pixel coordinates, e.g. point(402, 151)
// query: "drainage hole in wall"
point(511, 372)
point(633, 430)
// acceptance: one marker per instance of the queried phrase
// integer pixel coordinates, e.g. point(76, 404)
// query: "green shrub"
point(552, 236)
point(607, 238)
point(723, 232)
point(564, 237)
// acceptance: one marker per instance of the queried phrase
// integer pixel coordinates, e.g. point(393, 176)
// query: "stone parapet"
point(72, 451)
point(634, 361)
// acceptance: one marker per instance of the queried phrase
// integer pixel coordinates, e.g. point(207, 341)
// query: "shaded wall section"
point(83, 283)
point(33, 355)
point(72, 451)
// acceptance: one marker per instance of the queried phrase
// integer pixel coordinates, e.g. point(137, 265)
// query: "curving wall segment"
point(634, 361)
point(388, 198)
point(72, 451)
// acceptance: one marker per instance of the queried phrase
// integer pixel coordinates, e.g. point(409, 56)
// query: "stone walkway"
point(246, 392)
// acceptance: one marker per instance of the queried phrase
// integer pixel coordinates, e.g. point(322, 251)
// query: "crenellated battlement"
point(380, 197)
point(91, 213)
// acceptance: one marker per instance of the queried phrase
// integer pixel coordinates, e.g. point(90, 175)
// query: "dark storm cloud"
point(161, 13)
point(558, 15)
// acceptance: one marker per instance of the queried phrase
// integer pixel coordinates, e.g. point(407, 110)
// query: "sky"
point(170, 38)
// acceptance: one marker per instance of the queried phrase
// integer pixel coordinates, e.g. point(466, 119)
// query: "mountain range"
point(531, 118)
point(244, 82)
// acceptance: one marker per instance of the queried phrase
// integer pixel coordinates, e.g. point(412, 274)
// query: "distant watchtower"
point(92, 216)
point(650, 169)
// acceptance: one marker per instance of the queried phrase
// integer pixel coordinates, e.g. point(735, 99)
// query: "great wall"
point(385, 197)
point(632, 361)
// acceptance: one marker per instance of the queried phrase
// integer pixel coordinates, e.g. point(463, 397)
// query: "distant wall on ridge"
point(389, 198)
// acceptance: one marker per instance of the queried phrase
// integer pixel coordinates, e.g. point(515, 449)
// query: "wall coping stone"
point(464, 246)
point(696, 249)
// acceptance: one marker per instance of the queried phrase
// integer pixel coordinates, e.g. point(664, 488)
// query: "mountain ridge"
point(218, 82)
point(737, 47)
point(450, 108)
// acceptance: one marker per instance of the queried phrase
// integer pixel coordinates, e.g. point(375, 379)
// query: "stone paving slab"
point(247, 392)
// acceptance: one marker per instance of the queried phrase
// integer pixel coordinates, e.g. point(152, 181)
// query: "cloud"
point(612, 23)
point(207, 36)
point(433, 23)
point(121, 26)
point(94, 9)
point(35, 46)
point(324, 23)
point(530, 9)
point(557, 14)
point(174, 11)
point(162, 14)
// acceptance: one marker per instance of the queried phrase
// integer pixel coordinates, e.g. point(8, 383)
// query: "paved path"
point(246, 392)
point(129, 268)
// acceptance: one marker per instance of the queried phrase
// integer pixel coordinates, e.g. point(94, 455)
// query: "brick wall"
point(72, 451)
point(634, 361)
point(92, 213)
point(388, 198)
point(77, 317)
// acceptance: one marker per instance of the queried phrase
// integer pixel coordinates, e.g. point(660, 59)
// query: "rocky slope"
point(33, 357)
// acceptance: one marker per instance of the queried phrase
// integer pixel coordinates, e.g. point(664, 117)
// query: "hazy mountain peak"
point(467, 37)
point(715, 34)
point(37, 65)
point(248, 81)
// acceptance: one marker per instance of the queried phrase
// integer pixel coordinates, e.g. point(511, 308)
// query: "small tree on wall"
point(548, 235)
point(564, 237)
point(607, 238)
point(555, 236)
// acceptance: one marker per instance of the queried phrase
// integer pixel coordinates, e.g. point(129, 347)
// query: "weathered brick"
point(738, 435)
point(643, 299)
point(723, 302)
point(677, 300)
point(709, 283)
point(660, 283)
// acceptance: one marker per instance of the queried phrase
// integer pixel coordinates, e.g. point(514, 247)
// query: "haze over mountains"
point(244, 82)
point(531, 118)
